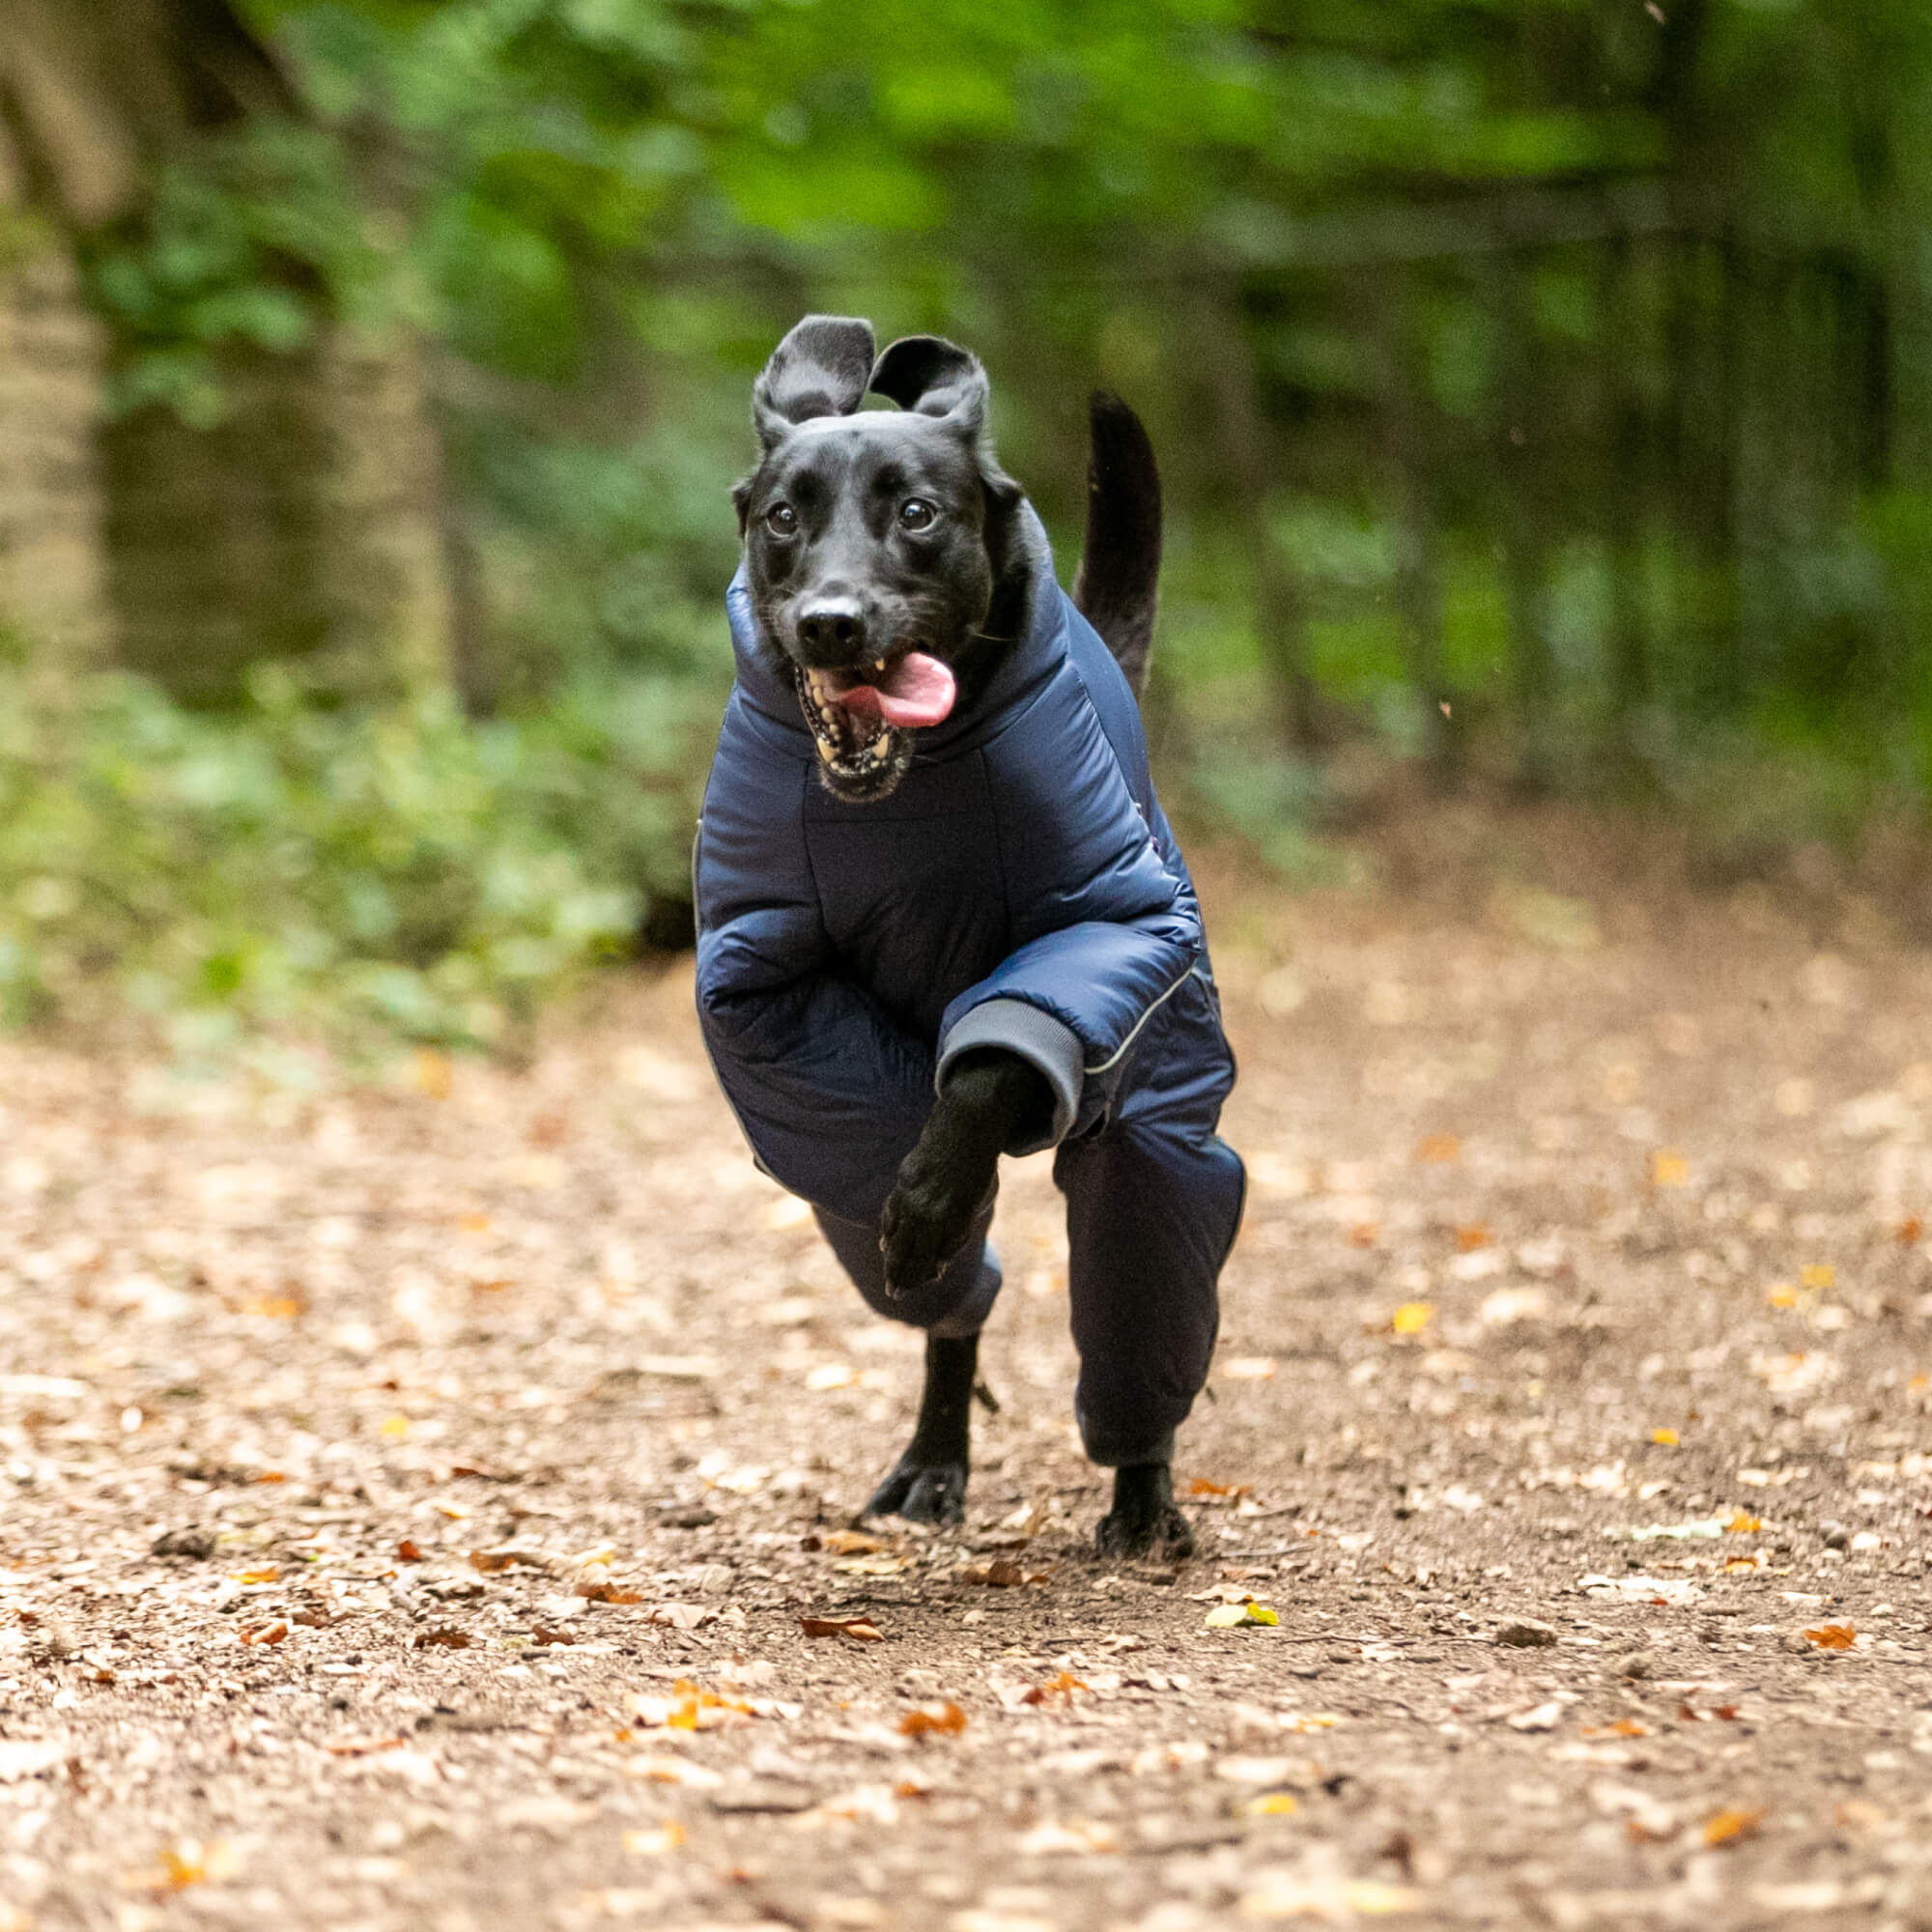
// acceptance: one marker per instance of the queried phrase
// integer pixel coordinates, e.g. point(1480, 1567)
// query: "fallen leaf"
point(1063, 1686)
point(1832, 1636)
point(1233, 1616)
point(444, 1639)
point(1542, 1717)
point(408, 1552)
point(854, 1541)
point(1412, 1318)
point(1668, 1169)
point(189, 1864)
point(665, 1770)
point(273, 1633)
point(1202, 1487)
point(1818, 1274)
point(1622, 1727)
point(608, 1593)
point(1740, 1522)
point(1275, 1804)
point(542, 1633)
point(1438, 1149)
point(272, 1574)
point(946, 1720)
point(1665, 1439)
point(1003, 1574)
point(1909, 1230)
point(1471, 1238)
point(881, 1565)
point(683, 1616)
point(1728, 1826)
point(654, 1842)
point(1078, 1837)
point(491, 1561)
point(395, 1426)
point(856, 1629)
point(1364, 1235)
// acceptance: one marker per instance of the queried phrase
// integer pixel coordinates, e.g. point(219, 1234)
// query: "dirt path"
point(1563, 1228)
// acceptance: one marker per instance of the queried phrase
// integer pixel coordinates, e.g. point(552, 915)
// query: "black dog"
point(897, 580)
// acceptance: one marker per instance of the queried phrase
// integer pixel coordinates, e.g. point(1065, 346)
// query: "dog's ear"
point(934, 378)
point(818, 370)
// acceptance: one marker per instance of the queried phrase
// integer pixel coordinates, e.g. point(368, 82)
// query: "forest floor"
point(412, 1500)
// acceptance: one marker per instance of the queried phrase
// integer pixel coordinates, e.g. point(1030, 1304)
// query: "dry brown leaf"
point(1202, 1487)
point(1832, 1636)
point(948, 1720)
point(408, 1552)
point(272, 1574)
point(1909, 1230)
point(543, 1634)
point(1471, 1238)
point(856, 1629)
point(1063, 1686)
point(854, 1541)
point(492, 1561)
point(1730, 1826)
point(444, 1639)
point(273, 1633)
point(312, 1619)
point(1003, 1574)
point(1623, 1727)
point(608, 1593)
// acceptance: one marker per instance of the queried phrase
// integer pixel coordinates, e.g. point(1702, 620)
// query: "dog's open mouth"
point(859, 715)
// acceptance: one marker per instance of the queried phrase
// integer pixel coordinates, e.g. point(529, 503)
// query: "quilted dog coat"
point(1020, 889)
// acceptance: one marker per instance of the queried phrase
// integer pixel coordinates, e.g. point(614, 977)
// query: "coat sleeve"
point(1105, 922)
point(829, 1090)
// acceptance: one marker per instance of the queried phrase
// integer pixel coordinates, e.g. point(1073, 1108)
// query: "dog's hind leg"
point(1152, 1210)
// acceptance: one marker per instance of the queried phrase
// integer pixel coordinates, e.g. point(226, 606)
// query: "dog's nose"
point(832, 624)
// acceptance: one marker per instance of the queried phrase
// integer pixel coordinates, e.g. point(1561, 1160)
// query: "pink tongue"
point(918, 691)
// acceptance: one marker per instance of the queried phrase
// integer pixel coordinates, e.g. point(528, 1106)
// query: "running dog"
point(941, 914)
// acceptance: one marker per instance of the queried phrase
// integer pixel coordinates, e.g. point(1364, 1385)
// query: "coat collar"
point(768, 692)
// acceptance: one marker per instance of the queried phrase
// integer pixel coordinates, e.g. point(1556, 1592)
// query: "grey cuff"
point(1049, 1045)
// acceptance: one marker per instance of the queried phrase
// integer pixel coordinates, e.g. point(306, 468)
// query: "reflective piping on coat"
point(1113, 1059)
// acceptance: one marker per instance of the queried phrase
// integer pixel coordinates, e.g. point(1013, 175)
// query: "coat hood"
point(1024, 668)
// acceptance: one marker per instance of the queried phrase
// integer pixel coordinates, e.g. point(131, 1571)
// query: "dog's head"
point(872, 542)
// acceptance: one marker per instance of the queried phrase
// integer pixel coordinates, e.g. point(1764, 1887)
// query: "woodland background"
point(1541, 387)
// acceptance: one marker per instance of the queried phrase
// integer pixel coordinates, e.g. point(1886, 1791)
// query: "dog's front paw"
point(1145, 1521)
point(921, 1492)
point(925, 1224)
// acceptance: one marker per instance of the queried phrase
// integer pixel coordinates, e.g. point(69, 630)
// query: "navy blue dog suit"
point(1020, 889)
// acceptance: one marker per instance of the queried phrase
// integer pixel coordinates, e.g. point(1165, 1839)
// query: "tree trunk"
point(306, 522)
point(1280, 616)
point(1381, 317)
point(1621, 352)
point(1517, 429)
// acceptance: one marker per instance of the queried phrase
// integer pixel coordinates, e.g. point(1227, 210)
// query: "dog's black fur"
point(868, 536)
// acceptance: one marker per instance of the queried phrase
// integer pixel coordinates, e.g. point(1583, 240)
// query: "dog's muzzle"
point(863, 719)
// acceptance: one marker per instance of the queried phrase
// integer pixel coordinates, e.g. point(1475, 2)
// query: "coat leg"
point(1152, 1206)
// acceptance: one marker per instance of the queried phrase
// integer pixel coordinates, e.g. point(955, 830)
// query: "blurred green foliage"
point(286, 869)
point(1544, 388)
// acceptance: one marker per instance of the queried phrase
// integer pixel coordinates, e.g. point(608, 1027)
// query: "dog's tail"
point(1119, 563)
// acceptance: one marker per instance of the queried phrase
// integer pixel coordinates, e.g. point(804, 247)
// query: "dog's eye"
point(916, 513)
point(781, 520)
